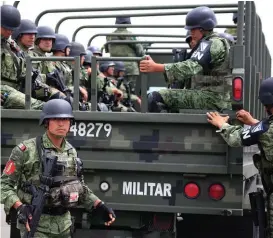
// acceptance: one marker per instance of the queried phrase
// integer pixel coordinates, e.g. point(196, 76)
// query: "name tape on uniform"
point(90, 129)
point(147, 189)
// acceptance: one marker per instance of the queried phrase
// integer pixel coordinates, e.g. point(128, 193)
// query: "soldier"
point(22, 172)
point(95, 50)
point(43, 44)
point(233, 31)
point(126, 50)
point(24, 36)
point(260, 133)
point(13, 67)
point(228, 37)
point(107, 68)
point(121, 82)
point(208, 68)
point(61, 48)
point(191, 42)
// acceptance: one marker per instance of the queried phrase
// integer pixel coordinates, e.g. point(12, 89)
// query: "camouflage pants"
point(16, 100)
point(176, 99)
point(38, 234)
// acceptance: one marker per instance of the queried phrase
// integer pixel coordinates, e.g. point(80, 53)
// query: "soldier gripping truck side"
point(164, 174)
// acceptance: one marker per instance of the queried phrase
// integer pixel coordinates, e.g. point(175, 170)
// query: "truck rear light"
point(191, 190)
point(216, 191)
point(237, 89)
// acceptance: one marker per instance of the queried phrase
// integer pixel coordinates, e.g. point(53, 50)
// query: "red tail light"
point(191, 190)
point(216, 191)
point(237, 89)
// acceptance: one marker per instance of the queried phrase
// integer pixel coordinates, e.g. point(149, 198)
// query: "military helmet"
point(123, 20)
point(95, 50)
point(61, 43)
point(45, 32)
point(56, 108)
point(201, 17)
point(227, 36)
point(77, 49)
point(188, 37)
point(266, 92)
point(88, 57)
point(10, 17)
point(119, 66)
point(104, 65)
point(26, 27)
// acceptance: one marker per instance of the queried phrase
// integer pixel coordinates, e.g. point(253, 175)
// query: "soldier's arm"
point(237, 136)
point(11, 177)
point(187, 69)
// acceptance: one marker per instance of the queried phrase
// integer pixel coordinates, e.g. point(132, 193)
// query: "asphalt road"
point(5, 228)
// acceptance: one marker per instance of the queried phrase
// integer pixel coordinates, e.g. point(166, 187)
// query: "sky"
point(27, 7)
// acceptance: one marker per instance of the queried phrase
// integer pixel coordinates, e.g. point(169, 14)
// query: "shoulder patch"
point(250, 135)
point(22, 147)
point(9, 168)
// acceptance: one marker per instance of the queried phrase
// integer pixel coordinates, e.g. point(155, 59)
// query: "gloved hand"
point(24, 214)
point(107, 213)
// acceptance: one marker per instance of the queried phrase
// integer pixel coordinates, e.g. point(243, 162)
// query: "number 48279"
point(91, 129)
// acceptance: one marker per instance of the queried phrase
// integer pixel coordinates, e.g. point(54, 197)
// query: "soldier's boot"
point(156, 103)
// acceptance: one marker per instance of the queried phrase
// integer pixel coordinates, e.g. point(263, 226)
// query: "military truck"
point(165, 175)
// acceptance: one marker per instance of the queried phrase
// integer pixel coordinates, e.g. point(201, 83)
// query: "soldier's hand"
point(147, 65)
point(215, 119)
point(118, 93)
point(246, 118)
point(89, 71)
point(107, 213)
point(24, 215)
point(84, 94)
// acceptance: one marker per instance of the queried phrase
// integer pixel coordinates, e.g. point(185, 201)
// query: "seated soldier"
point(208, 68)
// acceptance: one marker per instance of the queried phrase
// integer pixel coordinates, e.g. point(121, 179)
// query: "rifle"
point(127, 102)
point(40, 194)
point(257, 204)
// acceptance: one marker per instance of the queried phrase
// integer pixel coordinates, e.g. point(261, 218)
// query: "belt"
point(55, 211)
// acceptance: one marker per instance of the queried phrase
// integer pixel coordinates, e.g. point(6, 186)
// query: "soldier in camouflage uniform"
point(121, 82)
point(233, 31)
point(23, 169)
point(13, 67)
point(228, 37)
point(260, 133)
point(43, 44)
point(207, 67)
point(126, 50)
point(25, 35)
point(107, 84)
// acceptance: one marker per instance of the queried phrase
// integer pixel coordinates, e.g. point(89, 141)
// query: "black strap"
point(39, 143)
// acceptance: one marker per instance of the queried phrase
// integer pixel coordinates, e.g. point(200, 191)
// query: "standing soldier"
point(208, 69)
point(260, 133)
point(233, 31)
point(126, 50)
point(25, 173)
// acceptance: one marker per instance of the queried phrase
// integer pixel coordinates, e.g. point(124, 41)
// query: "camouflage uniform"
point(12, 72)
point(261, 134)
point(25, 158)
point(209, 92)
point(231, 31)
point(127, 50)
point(43, 66)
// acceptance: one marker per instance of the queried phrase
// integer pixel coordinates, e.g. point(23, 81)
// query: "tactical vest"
point(12, 66)
point(215, 78)
point(66, 190)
